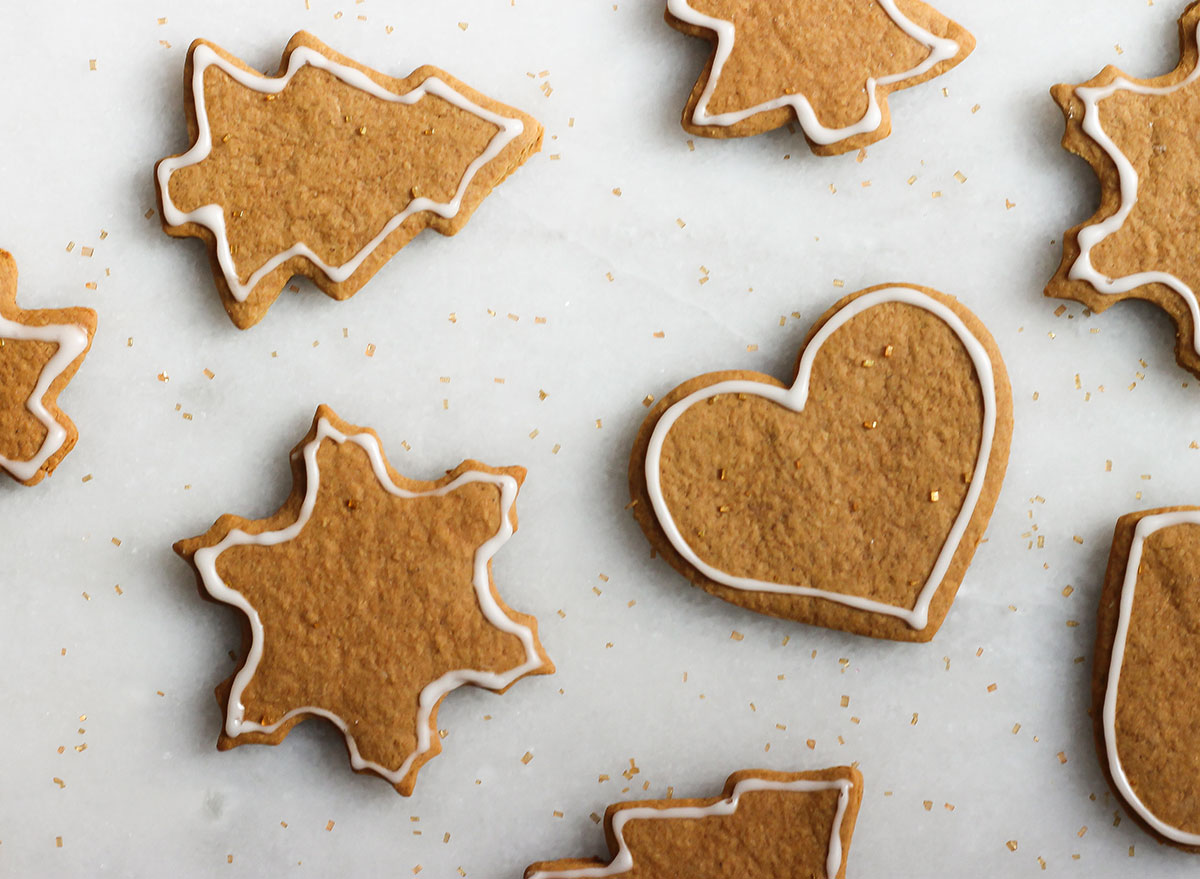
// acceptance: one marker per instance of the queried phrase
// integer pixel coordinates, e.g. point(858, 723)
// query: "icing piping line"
point(72, 341)
point(940, 49)
point(212, 216)
point(623, 861)
point(206, 563)
point(1145, 527)
point(795, 398)
point(1091, 236)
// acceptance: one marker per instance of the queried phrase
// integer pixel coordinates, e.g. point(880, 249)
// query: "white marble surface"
point(151, 795)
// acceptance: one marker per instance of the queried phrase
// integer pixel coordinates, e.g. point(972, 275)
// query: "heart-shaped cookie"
point(853, 499)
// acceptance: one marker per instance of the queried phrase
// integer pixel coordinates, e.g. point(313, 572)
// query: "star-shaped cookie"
point(765, 825)
point(367, 598)
point(328, 168)
point(828, 64)
point(1139, 136)
point(40, 352)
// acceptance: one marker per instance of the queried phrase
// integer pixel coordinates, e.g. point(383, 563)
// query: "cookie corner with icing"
point(1144, 673)
point(772, 65)
point(1138, 136)
point(40, 352)
point(807, 817)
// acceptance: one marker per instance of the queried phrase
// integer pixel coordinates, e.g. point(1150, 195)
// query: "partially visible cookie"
point(328, 168)
point(1139, 136)
point(764, 825)
point(366, 599)
point(1146, 672)
point(828, 64)
point(853, 499)
point(40, 352)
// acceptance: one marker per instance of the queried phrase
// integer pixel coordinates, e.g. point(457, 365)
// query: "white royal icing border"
point(72, 341)
point(940, 49)
point(622, 862)
point(206, 564)
point(212, 216)
point(795, 398)
point(1090, 236)
point(1145, 527)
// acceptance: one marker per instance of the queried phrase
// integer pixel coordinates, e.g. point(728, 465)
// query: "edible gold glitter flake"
point(735, 635)
point(991, 688)
point(528, 756)
point(935, 496)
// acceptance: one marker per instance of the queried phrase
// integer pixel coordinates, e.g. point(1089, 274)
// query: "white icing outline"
point(795, 398)
point(206, 563)
point(72, 341)
point(1090, 236)
point(940, 49)
point(1145, 527)
point(622, 862)
point(212, 216)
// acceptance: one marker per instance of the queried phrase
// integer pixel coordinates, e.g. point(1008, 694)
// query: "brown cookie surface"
point(852, 499)
point(764, 825)
point(367, 598)
point(1139, 137)
point(1146, 672)
point(828, 64)
point(328, 168)
point(40, 352)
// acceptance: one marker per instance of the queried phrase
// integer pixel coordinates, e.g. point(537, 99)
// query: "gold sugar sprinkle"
point(736, 636)
point(1012, 845)
point(528, 756)
point(934, 496)
point(329, 825)
point(991, 688)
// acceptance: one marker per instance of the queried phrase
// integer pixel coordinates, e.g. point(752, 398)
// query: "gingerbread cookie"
point(764, 825)
point(40, 352)
point(327, 168)
point(1139, 137)
point(367, 598)
point(853, 499)
point(828, 64)
point(1146, 672)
